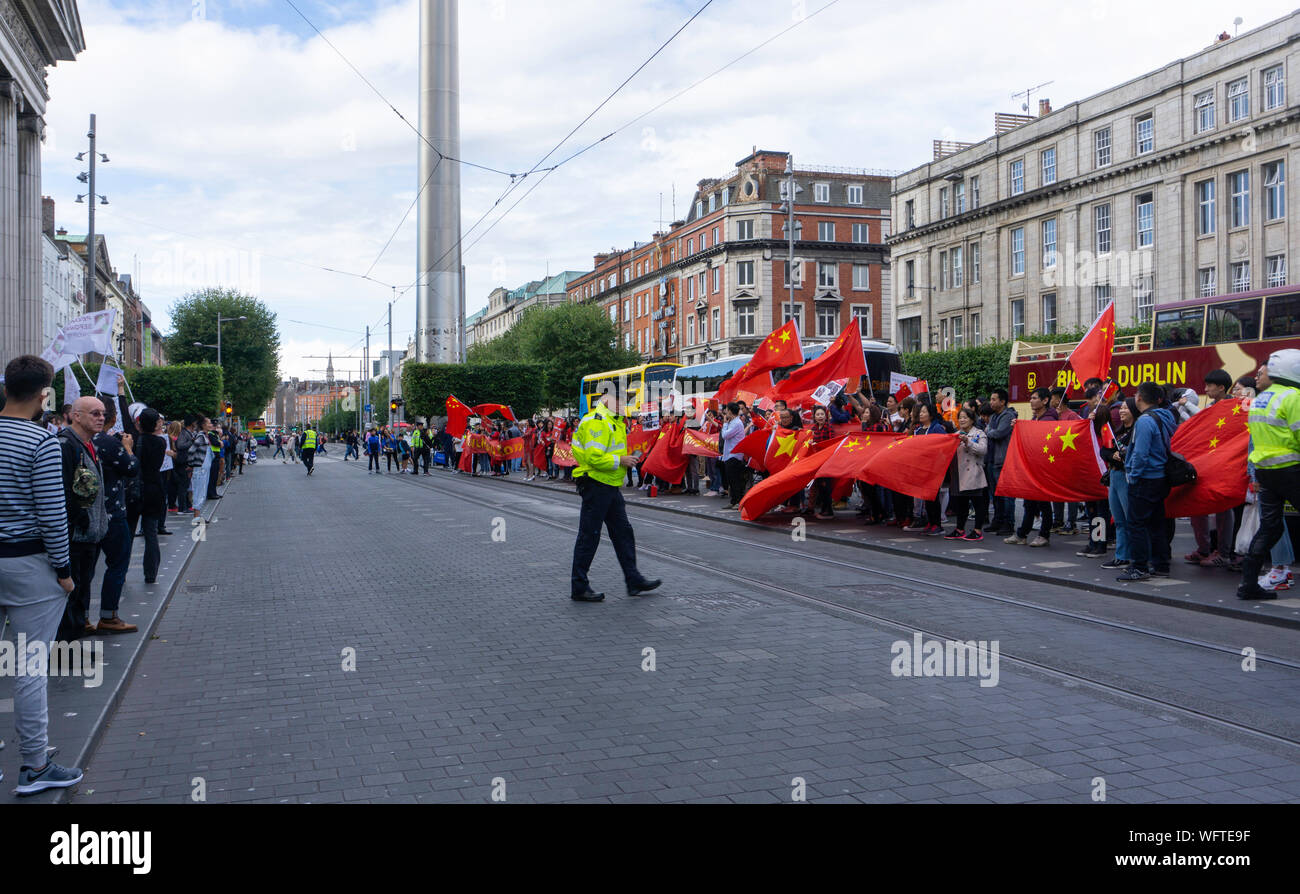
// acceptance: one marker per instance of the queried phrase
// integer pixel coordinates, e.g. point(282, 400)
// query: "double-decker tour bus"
point(1188, 339)
point(703, 379)
point(631, 387)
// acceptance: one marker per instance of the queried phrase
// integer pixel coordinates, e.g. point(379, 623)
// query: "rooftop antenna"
point(1236, 25)
point(1024, 106)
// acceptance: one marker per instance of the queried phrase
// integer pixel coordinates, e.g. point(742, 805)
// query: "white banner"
point(89, 332)
point(107, 383)
point(71, 387)
point(898, 380)
point(56, 355)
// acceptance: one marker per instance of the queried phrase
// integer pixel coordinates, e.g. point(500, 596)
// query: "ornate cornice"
point(21, 36)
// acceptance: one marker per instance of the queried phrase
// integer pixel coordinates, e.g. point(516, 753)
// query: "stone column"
point(30, 255)
point(10, 330)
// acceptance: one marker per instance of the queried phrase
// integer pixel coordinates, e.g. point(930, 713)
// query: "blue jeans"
point(1119, 509)
point(116, 547)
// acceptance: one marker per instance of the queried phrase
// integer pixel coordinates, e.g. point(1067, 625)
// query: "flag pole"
point(94, 382)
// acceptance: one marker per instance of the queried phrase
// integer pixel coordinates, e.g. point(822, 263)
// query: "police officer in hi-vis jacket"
point(600, 447)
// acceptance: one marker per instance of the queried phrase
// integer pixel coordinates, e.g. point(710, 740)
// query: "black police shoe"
point(588, 596)
point(1256, 592)
point(644, 587)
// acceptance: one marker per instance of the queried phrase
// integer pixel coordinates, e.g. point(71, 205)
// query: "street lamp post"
point(220, 320)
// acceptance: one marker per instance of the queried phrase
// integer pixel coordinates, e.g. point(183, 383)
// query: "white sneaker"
point(1276, 579)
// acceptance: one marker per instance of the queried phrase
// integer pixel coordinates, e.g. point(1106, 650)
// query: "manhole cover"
point(200, 588)
point(714, 601)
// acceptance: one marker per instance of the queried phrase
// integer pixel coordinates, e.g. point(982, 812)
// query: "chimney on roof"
point(1224, 36)
point(47, 216)
point(1044, 107)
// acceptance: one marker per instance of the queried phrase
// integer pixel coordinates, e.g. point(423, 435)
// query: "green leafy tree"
point(250, 348)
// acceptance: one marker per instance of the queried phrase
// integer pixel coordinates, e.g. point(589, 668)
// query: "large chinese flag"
point(776, 489)
point(666, 460)
point(1216, 441)
point(754, 447)
point(486, 410)
point(842, 360)
point(780, 349)
point(562, 455)
point(1053, 461)
point(915, 466)
point(851, 458)
point(696, 444)
point(785, 445)
point(457, 417)
point(1091, 357)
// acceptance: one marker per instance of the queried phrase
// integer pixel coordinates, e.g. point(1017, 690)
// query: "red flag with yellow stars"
point(851, 458)
point(780, 349)
point(774, 490)
point(785, 445)
point(1091, 357)
point(916, 466)
point(457, 417)
point(1052, 461)
point(1216, 441)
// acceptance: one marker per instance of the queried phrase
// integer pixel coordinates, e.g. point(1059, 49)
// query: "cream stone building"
point(1169, 186)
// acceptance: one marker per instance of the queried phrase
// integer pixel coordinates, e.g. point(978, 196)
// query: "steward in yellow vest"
point(1274, 426)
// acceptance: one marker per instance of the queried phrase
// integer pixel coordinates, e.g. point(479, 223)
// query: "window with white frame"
point(1241, 276)
point(797, 316)
point(909, 279)
point(1101, 228)
point(960, 192)
point(1017, 251)
point(821, 192)
point(1101, 145)
point(943, 270)
point(1275, 190)
point(744, 319)
point(956, 332)
point(699, 209)
point(974, 262)
point(909, 213)
point(1146, 220)
point(717, 323)
point(854, 195)
point(828, 321)
point(974, 192)
point(1274, 89)
point(974, 330)
point(1239, 189)
point(690, 330)
point(826, 231)
point(1275, 266)
point(717, 278)
point(1205, 208)
point(827, 275)
point(690, 247)
point(1048, 158)
point(798, 273)
point(1049, 243)
point(704, 283)
point(744, 273)
point(862, 277)
point(1207, 282)
point(861, 232)
point(1100, 298)
point(715, 236)
point(1049, 313)
point(1144, 134)
point(627, 340)
point(744, 229)
point(943, 201)
point(704, 330)
point(945, 342)
point(1144, 298)
point(713, 202)
point(1017, 177)
point(958, 274)
point(726, 195)
point(613, 313)
point(627, 309)
point(1018, 318)
point(690, 288)
point(1205, 111)
point(704, 241)
point(1238, 100)
point(862, 313)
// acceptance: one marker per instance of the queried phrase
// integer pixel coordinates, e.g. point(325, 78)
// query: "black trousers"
point(1276, 487)
point(372, 461)
point(977, 501)
point(734, 469)
point(1148, 544)
point(1043, 511)
point(422, 456)
point(75, 614)
point(602, 505)
point(308, 458)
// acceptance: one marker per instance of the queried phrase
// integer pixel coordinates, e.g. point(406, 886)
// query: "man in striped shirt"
point(35, 568)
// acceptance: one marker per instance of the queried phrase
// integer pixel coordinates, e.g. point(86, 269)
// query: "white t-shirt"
point(167, 445)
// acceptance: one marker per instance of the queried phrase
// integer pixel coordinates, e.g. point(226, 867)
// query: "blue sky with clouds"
point(244, 151)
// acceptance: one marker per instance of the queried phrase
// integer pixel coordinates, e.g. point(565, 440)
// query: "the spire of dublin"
point(439, 319)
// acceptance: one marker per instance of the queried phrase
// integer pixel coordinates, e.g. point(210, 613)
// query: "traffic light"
point(392, 406)
point(230, 409)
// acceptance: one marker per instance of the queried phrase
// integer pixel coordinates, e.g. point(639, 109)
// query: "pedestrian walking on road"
point(600, 447)
point(309, 449)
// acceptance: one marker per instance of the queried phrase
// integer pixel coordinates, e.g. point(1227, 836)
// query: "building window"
point(1101, 228)
point(786, 316)
point(943, 201)
point(862, 313)
point(717, 278)
point(958, 275)
point(717, 323)
point(909, 213)
point(821, 192)
point(715, 236)
point(690, 247)
point(1017, 177)
point(1208, 282)
point(726, 196)
point(974, 330)
point(1146, 220)
point(862, 277)
point(1049, 243)
point(828, 321)
point(909, 334)
point(861, 232)
point(704, 330)
point(1049, 313)
point(713, 202)
point(855, 195)
point(943, 270)
point(1276, 265)
point(1274, 89)
point(944, 342)
point(1205, 111)
point(690, 288)
point(1049, 166)
point(1100, 299)
point(1275, 190)
point(745, 319)
point(827, 275)
point(1101, 143)
point(744, 273)
point(960, 192)
point(1146, 134)
point(909, 278)
point(798, 273)
point(1143, 298)
point(826, 231)
point(1018, 318)
point(613, 313)
point(1017, 251)
point(704, 284)
point(627, 309)
point(1239, 189)
point(956, 331)
point(690, 330)
point(974, 192)
point(1241, 276)
point(1205, 208)
point(974, 262)
point(744, 229)
point(1238, 100)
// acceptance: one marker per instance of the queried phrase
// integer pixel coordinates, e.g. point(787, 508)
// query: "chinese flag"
point(696, 444)
point(1052, 461)
point(1091, 357)
point(785, 445)
point(781, 348)
point(846, 428)
point(754, 447)
point(850, 460)
point(915, 466)
point(457, 417)
point(641, 439)
point(539, 454)
point(486, 410)
point(666, 460)
point(842, 360)
point(466, 463)
point(1216, 441)
point(562, 455)
point(776, 489)
point(760, 421)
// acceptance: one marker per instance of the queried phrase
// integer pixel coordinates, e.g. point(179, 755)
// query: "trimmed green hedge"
point(426, 386)
point(172, 390)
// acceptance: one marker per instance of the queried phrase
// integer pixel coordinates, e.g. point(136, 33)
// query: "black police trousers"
point(602, 504)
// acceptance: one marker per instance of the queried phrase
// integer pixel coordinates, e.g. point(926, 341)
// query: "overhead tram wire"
point(409, 208)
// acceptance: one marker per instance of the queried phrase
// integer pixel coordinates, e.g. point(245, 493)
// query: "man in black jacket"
point(998, 433)
point(83, 486)
point(120, 466)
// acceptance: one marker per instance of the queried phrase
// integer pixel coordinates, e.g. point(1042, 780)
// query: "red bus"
point(1188, 339)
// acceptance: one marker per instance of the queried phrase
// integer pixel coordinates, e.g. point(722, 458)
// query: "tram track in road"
point(464, 491)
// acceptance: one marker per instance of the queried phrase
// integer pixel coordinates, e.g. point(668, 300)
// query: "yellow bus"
point(633, 388)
